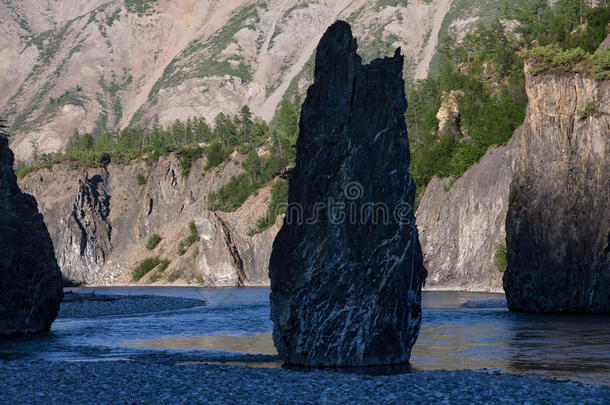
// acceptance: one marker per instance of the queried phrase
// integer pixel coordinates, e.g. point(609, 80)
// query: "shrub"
point(590, 110)
point(277, 206)
point(175, 276)
point(145, 267)
point(187, 157)
point(141, 180)
point(153, 241)
point(192, 238)
point(216, 154)
point(553, 57)
point(500, 257)
point(601, 65)
point(163, 265)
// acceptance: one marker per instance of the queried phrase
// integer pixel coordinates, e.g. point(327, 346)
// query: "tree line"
point(484, 72)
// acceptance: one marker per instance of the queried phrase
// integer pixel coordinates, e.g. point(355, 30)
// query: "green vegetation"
point(145, 267)
point(552, 56)
point(590, 110)
point(163, 265)
point(176, 275)
point(500, 257)
point(192, 238)
point(141, 179)
point(601, 65)
point(141, 7)
point(484, 73)
point(290, 10)
point(160, 270)
point(153, 241)
point(279, 197)
point(204, 58)
point(260, 169)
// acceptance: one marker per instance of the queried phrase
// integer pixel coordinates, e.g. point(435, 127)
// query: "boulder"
point(346, 268)
point(31, 286)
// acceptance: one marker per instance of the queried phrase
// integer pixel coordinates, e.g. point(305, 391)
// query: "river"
point(235, 322)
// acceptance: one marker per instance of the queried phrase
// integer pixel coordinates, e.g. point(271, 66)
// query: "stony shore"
point(90, 305)
point(168, 381)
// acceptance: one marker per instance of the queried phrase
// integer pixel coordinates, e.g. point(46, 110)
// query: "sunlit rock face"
point(30, 281)
point(346, 268)
point(558, 221)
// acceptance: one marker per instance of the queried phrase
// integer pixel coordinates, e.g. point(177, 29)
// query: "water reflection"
point(248, 344)
point(459, 331)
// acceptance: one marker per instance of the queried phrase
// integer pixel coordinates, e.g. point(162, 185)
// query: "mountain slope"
point(105, 64)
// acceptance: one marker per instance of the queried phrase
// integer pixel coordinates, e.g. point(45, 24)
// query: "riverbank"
point(163, 380)
point(91, 305)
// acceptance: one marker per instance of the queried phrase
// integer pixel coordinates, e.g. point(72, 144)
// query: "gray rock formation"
point(31, 287)
point(346, 283)
point(558, 222)
point(101, 218)
point(85, 238)
point(461, 224)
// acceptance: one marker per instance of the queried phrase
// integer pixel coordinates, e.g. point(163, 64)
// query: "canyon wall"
point(558, 222)
point(101, 219)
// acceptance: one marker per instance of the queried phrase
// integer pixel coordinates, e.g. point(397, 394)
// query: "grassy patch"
point(153, 241)
point(500, 257)
point(141, 7)
point(141, 179)
point(192, 238)
point(277, 206)
point(145, 267)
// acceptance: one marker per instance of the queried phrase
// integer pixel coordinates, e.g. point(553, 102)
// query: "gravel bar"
point(91, 306)
point(166, 381)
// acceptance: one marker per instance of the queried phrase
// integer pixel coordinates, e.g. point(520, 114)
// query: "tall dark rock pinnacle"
point(346, 268)
point(30, 281)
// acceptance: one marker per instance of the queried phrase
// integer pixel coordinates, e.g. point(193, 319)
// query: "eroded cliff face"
point(30, 282)
point(554, 173)
point(100, 220)
point(461, 224)
point(558, 222)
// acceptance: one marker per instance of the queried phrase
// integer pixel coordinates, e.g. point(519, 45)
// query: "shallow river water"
point(459, 331)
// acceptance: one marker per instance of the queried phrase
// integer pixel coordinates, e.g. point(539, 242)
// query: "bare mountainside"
point(95, 64)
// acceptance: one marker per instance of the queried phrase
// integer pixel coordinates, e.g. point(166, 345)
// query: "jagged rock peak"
point(346, 268)
point(30, 281)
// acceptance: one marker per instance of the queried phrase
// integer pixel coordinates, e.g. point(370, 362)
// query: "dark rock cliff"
point(346, 279)
point(558, 222)
point(30, 281)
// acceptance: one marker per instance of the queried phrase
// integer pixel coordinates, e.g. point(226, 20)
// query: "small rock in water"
point(346, 268)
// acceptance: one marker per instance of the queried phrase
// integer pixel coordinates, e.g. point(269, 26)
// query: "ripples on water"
point(459, 331)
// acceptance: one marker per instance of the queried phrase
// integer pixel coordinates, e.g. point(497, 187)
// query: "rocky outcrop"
point(461, 224)
point(100, 220)
point(30, 281)
point(346, 280)
point(84, 240)
point(558, 222)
